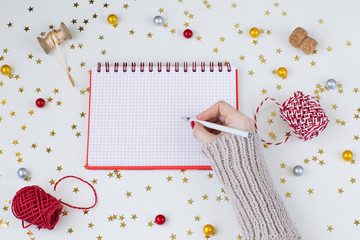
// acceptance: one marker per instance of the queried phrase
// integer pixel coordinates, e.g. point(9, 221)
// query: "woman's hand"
point(224, 114)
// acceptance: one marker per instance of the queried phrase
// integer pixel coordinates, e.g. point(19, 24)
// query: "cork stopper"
point(299, 38)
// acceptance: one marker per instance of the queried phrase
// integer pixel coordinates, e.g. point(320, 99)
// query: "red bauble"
point(188, 33)
point(160, 219)
point(40, 102)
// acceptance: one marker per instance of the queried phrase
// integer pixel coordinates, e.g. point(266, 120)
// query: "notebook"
point(135, 113)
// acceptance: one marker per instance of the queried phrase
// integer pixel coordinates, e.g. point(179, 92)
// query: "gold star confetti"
point(348, 43)
point(149, 35)
point(282, 165)
point(282, 180)
point(321, 21)
point(288, 195)
point(330, 228)
point(340, 190)
point(150, 224)
point(215, 50)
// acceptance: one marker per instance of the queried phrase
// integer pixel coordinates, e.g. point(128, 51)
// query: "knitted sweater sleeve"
point(239, 165)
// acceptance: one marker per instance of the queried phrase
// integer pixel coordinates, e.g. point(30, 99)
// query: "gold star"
point(38, 61)
point(26, 29)
point(29, 233)
point(218, 198)
point(52, 182)
point(10, 24)
point(90, 225)
point(276, 4)
point(197, 218)
point(348, 43)
point(205, 197)
point(189, 232)
point(173, 236)
point(75, 190)
point(272, 135)
point(284, 13)
point(278, 86)
point(185, 180)
point(52, 133)
point(105, 5)
point(240, 32)
point(269, 121)
point(352, 180)
point(125, 6)
point(99, 237)
point(123, 224)
point(15, 142)
point(312, 63)
point(334, 106)
point(5, 50)
point(356, 137)
point(321, 21)
point(250, 73)
point(165, 25)
point(282, 180)
point(150, 224)
point(161, 10)
point(356, 222)
point(149, 35)
point(267, 12)
point(233, 5)
point(329, 49)
point(103, 52)
point(94, 181)
point(263, 91)
point(287, 194)
point(131, 32)
point(321, 151)
point(28, 179)
point(101, 37)
point(65, 213)
point(134, 217)
point(5, 208)
point(169, 178)
point(222, 39)
point(340, 190)
point(330, 228)
point(76, 5)
point(59, 168)
point(356, 90)
point(242, 58)
point(306, 161)
point(91, 1)
point(82, 114)
point(255, 42)
point(278, 50)
point(236, 25)
point(128, 194)
point(190, 201)
point(210, 175)
point(198, 38)
point(282, 165)
point(215, 50)
point(78, 134)
point(173, 31)
point(73, 126)
point(12, 114)
point(23, 127)
point(58, 103)
point(94, 16)
point(191, 16)
point(3, 102)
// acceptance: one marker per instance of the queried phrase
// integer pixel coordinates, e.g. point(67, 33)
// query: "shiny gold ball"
point(112, 19)
point(208, 230)
point(254, 32)
point(6, 69)
point(282, 72)
point(347, 155)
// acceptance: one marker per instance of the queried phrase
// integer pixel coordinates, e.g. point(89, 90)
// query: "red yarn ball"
point(33, 205)
point(160, 219)
point(304, 115)
point(188, 33)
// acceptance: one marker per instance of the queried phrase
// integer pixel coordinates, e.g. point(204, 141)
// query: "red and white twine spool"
point(304, 115)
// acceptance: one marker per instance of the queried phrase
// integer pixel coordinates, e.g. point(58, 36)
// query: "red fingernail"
point(192, 125)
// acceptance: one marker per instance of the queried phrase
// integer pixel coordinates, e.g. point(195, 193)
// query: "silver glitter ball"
point(158, 20)
point(331, 84)
point(298, 170)
point(23, 173)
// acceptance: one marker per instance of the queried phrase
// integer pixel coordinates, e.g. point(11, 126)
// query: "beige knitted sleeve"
point(239, 165)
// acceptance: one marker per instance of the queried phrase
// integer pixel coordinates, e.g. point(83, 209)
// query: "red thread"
point(33, 205)
point(304, 115)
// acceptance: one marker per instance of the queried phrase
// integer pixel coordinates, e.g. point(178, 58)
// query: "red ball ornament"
point(160, 219)
point(188, 33)
point(40, 102)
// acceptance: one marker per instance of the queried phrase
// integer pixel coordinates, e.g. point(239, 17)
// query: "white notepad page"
point(135, 117)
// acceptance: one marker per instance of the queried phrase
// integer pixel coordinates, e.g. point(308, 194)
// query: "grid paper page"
point(135, 117)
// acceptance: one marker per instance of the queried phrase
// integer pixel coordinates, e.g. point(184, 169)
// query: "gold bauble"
point(112, 19)
point(6, 69)
point(208, 230)
point(282, 72)
point(347, 155)
point(254, 32)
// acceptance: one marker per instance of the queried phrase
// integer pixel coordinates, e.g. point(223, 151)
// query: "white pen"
point(219, 127)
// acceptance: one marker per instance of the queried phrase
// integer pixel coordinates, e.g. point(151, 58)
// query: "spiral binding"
point(159, 67)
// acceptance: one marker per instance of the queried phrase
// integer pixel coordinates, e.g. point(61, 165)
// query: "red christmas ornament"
point(188, 33)
point(160, 219)
point(40, 102)
point(33, 205)
point(304, 115)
